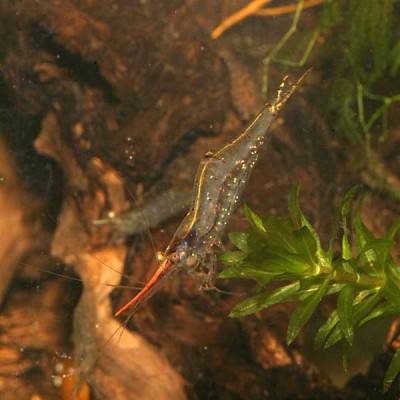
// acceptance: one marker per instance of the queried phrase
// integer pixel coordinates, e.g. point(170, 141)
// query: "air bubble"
point(59, 368)
point(57, 381)
point(111, 214)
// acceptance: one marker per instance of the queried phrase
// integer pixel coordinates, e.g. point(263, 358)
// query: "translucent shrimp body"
point(219, 182)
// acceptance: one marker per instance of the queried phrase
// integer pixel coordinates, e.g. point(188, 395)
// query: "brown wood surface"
point(98, 97)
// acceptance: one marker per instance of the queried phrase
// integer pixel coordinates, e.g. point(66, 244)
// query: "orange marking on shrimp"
point(161, 271)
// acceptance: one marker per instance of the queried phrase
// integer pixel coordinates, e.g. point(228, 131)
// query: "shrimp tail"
point(151, 287)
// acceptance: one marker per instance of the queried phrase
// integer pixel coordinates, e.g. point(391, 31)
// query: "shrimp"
point(219, 182)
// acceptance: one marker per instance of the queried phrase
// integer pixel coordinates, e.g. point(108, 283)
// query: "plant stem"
point(341, 276)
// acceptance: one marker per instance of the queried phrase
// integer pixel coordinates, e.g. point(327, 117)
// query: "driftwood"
point(101, 99)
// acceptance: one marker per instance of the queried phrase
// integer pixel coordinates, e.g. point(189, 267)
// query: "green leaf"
point(363, 235)
point(333, 234)
point(264, 300)
point(255, 241)
point(334, 288)
point(345, 357)
point(380, 310)
point(393, 370)
point(255, 221)
point(261, 277)
point(304, 311)
point(347, 253)
point(305, 244)
point(299, 220)
point(308, 286)
point(393, 231)
point(391, 292)
point(231, 272)
point(347, 266)
point(277, 261)
point(391, 235)
point(239, 240)
point(374, 256)
point(262, 280)
point(379, 246)
point(294, 207)
point(303, 294)
point(393, 270)
point(364, 302)
point(363, 307)
point(335, 336)
point(289, 276)
point(325, 330)
point(391, 288)
point(347, 202)
point(345, 312)
point(232, 258)
point(345, 209)
point(279, 233)
point(297, 216)
point(312, 280)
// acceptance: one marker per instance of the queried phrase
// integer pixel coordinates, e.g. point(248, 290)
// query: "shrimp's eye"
point(174, 257)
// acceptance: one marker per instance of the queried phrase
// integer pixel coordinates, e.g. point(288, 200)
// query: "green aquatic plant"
point(365, 275)
point(357, 49)
point(363, 44)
